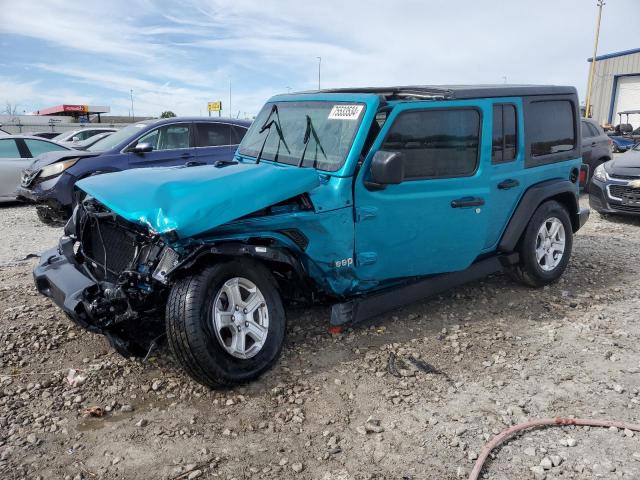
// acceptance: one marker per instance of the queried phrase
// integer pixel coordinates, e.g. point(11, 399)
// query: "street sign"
point(215, 107)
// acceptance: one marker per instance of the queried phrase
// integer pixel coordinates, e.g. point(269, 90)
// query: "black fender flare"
point(273, 257)
point(262, 253)
point(561, 190)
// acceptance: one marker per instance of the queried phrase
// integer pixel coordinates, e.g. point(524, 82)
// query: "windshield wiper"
point(307, 135)
point(268, 123)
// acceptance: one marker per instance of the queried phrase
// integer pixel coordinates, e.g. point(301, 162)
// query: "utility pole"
point(592, 70)
point(133, 115)
point(319, 68)
point(230, 114)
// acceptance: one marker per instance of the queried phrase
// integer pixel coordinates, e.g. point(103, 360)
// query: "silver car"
point(16, 153)
point(71, 138)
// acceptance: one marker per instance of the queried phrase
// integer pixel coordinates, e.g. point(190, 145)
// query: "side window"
point(215, 135)
point(83, 134)
point(36, 147)
point(550, 127)
point(585, 130)
point(595, 131)
point(504, 146)
point(436, 143)
point(168, 137)
point(9, 149)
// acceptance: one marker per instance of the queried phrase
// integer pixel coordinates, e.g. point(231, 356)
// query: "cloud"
point(182, 54)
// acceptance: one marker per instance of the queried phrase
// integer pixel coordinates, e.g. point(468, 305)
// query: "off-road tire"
point(46, 216)
point(529, 271)
point(190, 331)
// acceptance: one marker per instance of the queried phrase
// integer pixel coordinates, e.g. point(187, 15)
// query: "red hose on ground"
point(542, 422)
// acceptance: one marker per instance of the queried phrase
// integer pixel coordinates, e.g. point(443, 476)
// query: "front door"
point(436, 220)
point(172, 145)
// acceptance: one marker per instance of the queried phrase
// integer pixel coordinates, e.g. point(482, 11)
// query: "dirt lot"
point(506, 353)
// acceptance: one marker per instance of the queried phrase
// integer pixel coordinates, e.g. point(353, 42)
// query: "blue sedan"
point(50, 180)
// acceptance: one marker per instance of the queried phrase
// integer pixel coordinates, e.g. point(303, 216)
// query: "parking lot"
point(504, 352)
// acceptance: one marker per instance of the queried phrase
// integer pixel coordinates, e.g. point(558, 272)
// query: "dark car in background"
point(50, 180)
point(596, 146)
point(615, 187)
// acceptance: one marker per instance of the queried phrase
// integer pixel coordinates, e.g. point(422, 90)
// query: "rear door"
point(13, 159)
point(602, 150)
point(172, 145)
point(588, 143)
point(435, 220)
point(507, 165)
point(216, 141)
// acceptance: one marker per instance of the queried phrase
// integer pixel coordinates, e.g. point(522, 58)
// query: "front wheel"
point(546, 246)
point(226, 323)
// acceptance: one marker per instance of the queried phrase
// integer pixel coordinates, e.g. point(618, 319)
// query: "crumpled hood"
point(48, 158)
point(192, 200)
point(626, 164)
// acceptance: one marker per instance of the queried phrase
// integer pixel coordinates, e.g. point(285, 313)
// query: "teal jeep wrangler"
point(366, 198)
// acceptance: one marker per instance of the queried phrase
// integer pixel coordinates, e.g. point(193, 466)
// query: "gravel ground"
point(330, 409)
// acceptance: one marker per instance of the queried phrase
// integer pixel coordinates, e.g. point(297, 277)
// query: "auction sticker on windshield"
point(345, 112)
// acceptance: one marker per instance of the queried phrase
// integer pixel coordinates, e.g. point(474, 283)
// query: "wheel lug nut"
point(246, 324)
point(244, 310)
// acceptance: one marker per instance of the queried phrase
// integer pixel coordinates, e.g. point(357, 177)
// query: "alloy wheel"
point(550, 244)
point(240, 318)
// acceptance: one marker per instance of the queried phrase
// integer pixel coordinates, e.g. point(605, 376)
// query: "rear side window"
point(436, 143)
point(36, 147)
point(240, 133)
point(216, 135)
point(550, 127)
point(504, 146)
point(595, 130)
point(9, 149)
point(586, 131)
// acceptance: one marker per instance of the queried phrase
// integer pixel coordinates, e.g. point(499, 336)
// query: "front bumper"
point(56, 192)
point(59, 277)
point(601, 200)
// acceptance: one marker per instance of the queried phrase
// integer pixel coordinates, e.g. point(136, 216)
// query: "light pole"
point(133, 115)
point(319, 68)
point(592, 70)
point(230, 97)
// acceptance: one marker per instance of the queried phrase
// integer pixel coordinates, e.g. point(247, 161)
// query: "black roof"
point(457, 92)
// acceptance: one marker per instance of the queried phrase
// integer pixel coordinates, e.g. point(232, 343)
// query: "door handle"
point(508, 183)
point(467, 202)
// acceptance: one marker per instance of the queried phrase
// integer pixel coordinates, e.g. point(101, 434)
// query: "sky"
point(178, 55)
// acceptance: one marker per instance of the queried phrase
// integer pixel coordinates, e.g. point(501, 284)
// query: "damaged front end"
point(106, 274)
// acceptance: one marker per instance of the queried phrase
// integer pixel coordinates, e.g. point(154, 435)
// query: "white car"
point(16, 153)
point(75, 136)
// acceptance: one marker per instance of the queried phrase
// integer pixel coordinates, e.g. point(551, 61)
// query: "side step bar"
point(371, 305)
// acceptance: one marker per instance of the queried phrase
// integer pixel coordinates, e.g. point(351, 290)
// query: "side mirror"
point(75, 139)
point(143, 147)
point(387, 168)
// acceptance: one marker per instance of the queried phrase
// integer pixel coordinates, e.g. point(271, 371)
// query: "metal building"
point(616, 87)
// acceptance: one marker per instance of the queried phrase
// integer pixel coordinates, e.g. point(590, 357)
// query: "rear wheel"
point(226, 323)
point(546, 246)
